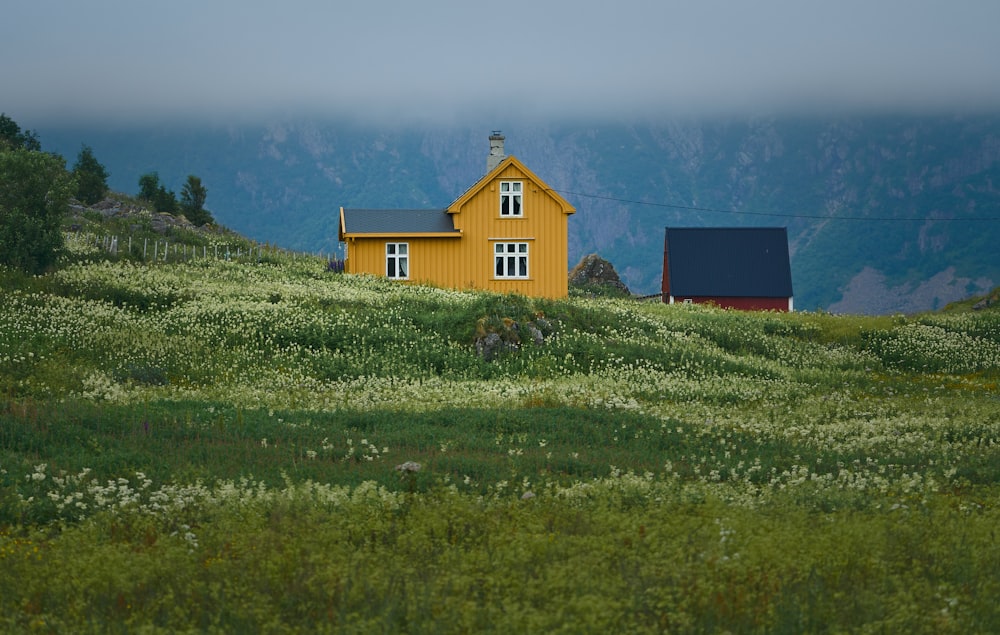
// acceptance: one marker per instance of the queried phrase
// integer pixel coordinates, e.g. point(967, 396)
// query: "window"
point(511, 260)
point(397, 261)
point(510, 198)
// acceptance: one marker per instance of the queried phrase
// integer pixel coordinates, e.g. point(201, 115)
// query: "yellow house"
point(506, 233)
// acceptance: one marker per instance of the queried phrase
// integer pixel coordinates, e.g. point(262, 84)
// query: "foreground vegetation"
point(266, 446)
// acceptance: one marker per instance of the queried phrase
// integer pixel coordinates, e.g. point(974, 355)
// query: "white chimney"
point(496, 155)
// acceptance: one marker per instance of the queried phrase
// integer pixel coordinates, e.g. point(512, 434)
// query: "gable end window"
point(397, 261)
point(511, 198)
point(510, 260)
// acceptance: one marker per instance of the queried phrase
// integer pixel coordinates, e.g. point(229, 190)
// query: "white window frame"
point(397, 259)
point(511, 261)
point(511, 199)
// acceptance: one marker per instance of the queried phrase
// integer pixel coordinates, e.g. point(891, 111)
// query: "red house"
point(733, 267)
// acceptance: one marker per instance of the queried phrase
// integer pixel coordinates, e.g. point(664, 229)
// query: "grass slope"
point(215, 445)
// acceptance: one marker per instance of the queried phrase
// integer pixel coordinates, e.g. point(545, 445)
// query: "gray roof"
point(397, 221)
point(728, 262)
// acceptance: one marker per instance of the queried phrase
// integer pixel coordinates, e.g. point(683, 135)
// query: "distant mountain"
point(884, 214)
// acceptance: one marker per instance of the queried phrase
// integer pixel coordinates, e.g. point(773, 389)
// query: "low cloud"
point(128, 61)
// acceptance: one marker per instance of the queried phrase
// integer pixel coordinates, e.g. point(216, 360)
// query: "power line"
point(691, 208)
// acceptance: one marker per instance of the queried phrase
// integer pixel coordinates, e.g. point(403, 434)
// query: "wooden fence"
point(156, 250)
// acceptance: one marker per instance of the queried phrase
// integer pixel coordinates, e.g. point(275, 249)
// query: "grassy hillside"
point(232, 445)
point(859, 195)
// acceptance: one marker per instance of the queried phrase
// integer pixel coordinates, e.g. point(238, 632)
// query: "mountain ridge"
point(870, 203)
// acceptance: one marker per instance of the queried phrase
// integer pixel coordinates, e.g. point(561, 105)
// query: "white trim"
point(514, 192)
point(512, 259)
point(399, 255)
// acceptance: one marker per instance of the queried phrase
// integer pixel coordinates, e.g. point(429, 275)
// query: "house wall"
point(428, 257)
point(743, 304)
point(467, 261)
point(665, 280)
point(543, 226)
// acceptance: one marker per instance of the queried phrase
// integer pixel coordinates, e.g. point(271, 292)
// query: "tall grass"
point(233, 446)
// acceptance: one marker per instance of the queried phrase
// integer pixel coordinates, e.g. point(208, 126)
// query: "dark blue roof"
point(728, 261)
point(397, 221)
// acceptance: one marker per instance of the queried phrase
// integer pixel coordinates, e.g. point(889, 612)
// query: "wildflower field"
point(220, 446)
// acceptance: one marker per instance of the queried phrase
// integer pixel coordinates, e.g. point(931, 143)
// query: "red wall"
point(665, 283)
point(745, 304)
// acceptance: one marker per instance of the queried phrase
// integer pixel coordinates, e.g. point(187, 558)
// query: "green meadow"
point(261, 445)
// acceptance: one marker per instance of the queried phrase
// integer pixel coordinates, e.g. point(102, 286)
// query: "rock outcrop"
point(594, 273)
point(497, 335)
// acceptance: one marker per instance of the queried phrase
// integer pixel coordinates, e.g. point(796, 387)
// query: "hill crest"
point(870, 203)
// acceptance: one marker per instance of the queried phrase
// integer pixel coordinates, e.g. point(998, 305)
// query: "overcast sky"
point(445, 59)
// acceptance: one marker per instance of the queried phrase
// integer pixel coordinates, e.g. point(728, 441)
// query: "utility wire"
point(733, 211)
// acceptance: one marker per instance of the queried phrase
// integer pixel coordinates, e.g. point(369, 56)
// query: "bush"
point(34, 197)
point(90, 176)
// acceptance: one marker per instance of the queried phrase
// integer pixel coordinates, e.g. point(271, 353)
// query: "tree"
point(166, 201)
point(34, 196)
point(148, 184)
point(12, 137)
point(153, 192)
point(193, 201)
point(91, 177)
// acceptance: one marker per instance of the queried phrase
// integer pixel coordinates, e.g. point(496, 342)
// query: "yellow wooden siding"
point(542, 225)
point(429, 258)
point(467, 261)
